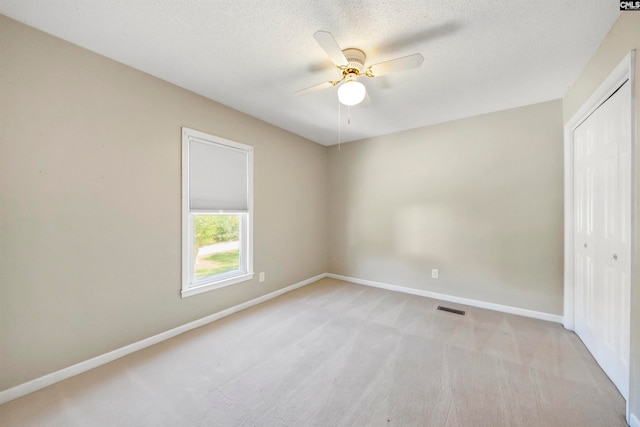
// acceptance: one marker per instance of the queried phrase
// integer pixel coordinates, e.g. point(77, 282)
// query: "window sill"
point(205, 287)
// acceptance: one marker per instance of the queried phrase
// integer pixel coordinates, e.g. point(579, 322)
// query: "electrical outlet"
point(261, 277)
point(434, 273)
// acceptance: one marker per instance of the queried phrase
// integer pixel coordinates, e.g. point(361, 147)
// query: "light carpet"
point(339, 354)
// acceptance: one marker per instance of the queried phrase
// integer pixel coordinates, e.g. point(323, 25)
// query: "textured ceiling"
point(252, 55)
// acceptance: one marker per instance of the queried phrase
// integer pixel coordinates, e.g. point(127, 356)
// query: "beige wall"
point(478, 198)
point(623, 37)
point(90, 204)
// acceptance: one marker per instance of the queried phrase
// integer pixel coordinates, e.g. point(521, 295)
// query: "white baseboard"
point(634, 421)
point(61, 375)
point(474, 303)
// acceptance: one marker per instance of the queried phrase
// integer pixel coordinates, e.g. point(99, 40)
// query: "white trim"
point(450, 298)
point(220, 283)
point(634, 421)
point(61, 375)
point(623, 72)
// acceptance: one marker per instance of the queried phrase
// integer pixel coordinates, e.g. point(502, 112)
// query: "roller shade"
point(217, 177)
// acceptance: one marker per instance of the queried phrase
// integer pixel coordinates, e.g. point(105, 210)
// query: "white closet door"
point(584, 244)
point(602, 168)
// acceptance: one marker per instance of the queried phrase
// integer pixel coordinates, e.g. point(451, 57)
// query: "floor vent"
point(451, 310)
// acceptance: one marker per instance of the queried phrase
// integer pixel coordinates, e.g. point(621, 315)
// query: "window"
point(217, 183)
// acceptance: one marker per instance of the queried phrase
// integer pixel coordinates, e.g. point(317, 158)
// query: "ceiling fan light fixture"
point(351, 92)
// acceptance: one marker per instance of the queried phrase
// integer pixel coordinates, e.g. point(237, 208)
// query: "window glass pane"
point(216, 245)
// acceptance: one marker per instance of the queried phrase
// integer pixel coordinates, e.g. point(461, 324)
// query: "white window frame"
point(190, 286)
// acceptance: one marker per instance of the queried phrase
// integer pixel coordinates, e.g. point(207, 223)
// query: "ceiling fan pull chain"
point(349, 115)
point(339, 135)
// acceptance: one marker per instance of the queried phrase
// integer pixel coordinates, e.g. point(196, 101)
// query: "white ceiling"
point(252, 55)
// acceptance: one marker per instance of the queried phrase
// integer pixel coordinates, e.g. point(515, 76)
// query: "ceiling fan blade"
point(399, 64)
point(331, 47)
point(317, 87)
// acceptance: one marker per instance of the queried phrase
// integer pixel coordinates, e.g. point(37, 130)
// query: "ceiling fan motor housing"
point(356, 59)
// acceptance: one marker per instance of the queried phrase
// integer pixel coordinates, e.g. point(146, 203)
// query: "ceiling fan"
point(351, 65)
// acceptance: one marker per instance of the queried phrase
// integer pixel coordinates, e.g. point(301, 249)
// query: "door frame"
point(625, 71)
